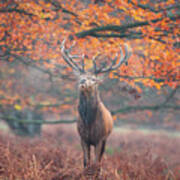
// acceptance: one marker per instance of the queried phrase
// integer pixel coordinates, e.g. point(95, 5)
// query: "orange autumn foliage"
point(34, 30)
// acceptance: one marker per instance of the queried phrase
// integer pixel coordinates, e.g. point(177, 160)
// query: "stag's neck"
point(88, 106)
point(91, 95)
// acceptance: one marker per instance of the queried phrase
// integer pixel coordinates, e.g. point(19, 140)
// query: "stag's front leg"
point(99, 150)
point(86, 153)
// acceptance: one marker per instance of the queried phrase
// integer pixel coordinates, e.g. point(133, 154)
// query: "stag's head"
point(89, 80)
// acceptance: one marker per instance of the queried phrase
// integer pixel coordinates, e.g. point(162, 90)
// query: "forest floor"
point(131, 154)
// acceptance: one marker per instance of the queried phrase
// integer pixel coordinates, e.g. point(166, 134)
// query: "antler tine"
point(122, 60)
point(83, 64)
point(94, 63)
point(94, 66)
point(64, 54)
point(76, 56)
point(127, 55)
point(69, 58)
point(71, 47)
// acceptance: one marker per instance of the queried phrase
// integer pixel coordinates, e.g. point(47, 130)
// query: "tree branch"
point(171, 95)
point(10, 118)
point(148, 7)
point(131, 35)
point(162, 79)
point(160, 106)
point(21, 11)
point(129, 109)
point(58, 6)
point(29, 63)
point(121, 28)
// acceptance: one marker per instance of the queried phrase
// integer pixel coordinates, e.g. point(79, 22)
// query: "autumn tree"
point(31, 33)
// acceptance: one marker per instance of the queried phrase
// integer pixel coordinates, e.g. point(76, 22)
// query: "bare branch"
point(36, 121)
point(58, 7)
point(20, 11)
point(149, 7)
point(121, 28)
point(171, 95)
point(129, 109)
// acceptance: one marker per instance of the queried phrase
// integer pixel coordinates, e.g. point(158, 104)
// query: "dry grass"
point(57, 156)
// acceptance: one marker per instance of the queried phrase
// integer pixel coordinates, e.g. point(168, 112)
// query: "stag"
point(95, 121)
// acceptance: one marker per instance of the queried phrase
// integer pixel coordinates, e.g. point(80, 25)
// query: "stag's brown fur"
point(95, 121)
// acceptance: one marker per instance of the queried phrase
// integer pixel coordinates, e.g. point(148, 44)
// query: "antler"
point(114, 65)
point(69, 58)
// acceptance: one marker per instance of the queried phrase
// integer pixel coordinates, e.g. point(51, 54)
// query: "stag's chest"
point(94, 119)
point(87, 108)
point(90, 133)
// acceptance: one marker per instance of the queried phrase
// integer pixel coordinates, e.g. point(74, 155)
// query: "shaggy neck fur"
point(88, 104)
